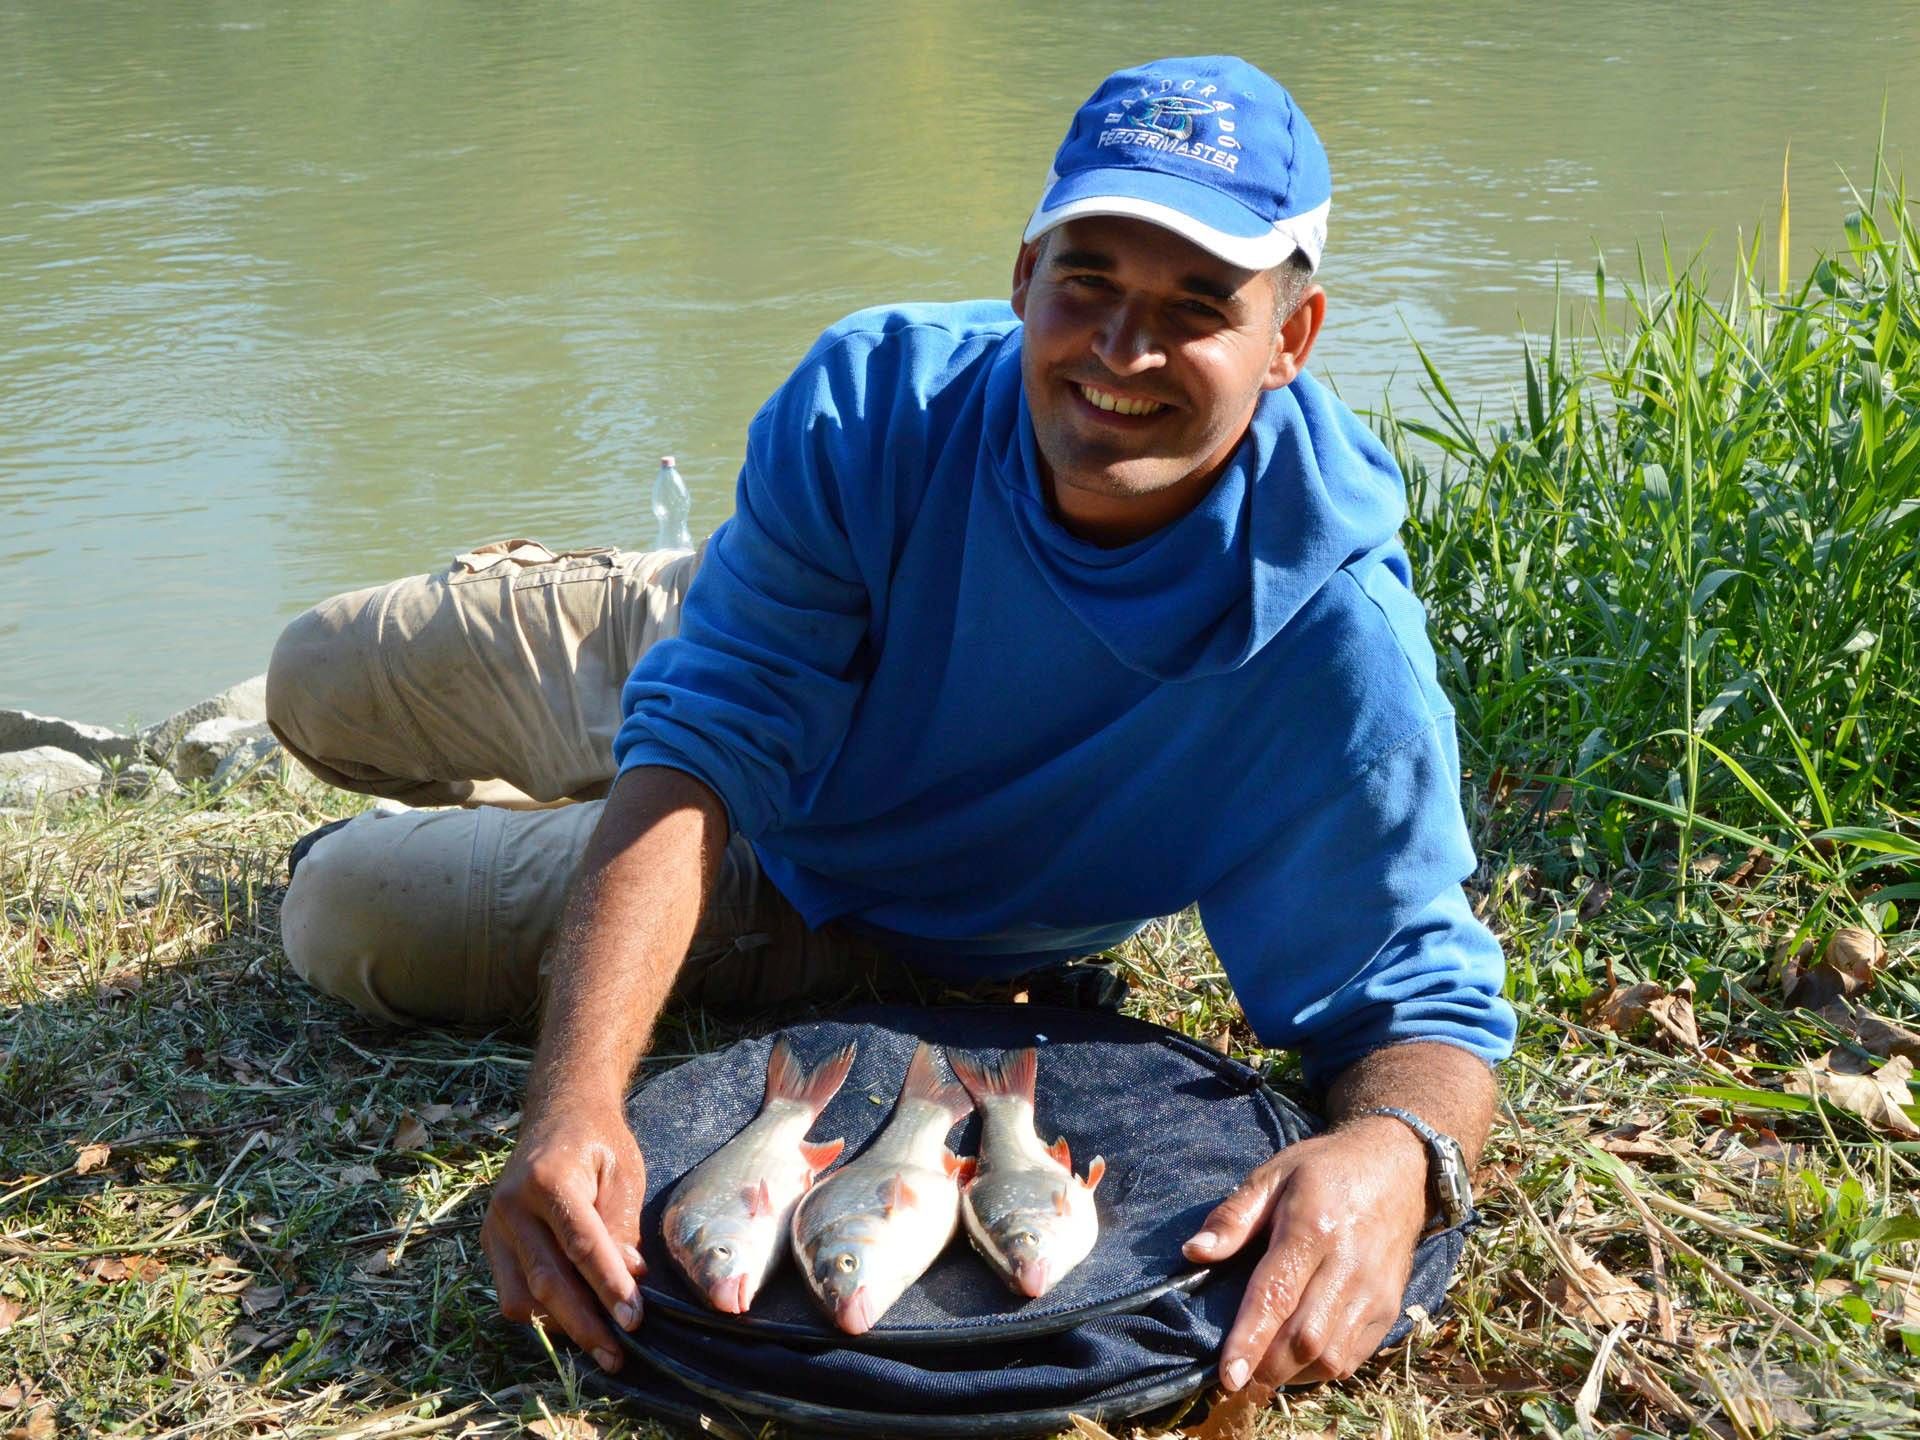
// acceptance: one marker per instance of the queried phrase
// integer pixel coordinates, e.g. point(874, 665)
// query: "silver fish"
point(1030, 1217)
point(727, 1221)
point(870, 1229)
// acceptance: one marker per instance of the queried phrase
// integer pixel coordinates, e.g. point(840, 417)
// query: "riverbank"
point(1677, 601)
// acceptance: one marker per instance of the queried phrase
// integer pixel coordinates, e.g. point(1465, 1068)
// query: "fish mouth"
point(729, 1296)
point(1030, 1277)
point(855, 1315)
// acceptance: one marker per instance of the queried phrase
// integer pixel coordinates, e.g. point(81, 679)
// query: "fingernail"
point(609, 1360)
point(627, 1312)
point(634, 1262)
point(1237, 1374)
point(1205, 1240)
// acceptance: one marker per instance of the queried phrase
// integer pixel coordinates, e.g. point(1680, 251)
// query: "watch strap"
point(1447, 1164)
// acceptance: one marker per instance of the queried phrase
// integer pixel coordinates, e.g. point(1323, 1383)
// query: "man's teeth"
point(1120, 405)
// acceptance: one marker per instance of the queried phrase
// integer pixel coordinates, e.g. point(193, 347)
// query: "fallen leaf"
point(1595, 900)
point(1879, 1098)
point(379, 1262)
point(146, 1268)
point(1592, 1293)
point(410, 1134)
point(37, 1425)
point(258, 1299)
point(1635, 1142)
point(1623, 1008)
point(108, 1268)
point(246, 1336)
point(13, 1397)
point(91, 1158)
point(1090, 1429)
point(359, 1175)
point(1757, 866)
point(9, 1312)
point(1233, 1417)
point(1848, 966)
point(434, 1114)
point(1872, 1032)
point(565, 1427)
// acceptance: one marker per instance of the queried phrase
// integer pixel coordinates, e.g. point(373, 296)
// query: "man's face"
point(1143, 359)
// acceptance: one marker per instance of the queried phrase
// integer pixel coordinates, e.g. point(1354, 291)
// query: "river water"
point(296, 298)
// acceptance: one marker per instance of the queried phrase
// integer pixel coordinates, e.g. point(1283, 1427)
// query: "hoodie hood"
point(1309, 489)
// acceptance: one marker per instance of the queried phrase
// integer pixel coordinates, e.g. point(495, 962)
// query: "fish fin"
point(1060, 1152)
point(962, 1167)
point(924, 1083)
point(759, 1199)
point(788, 1079)
point(822, 1154)
point(1096, 1172)
point(896, 1193)
point(1060, 1201)
point(1014, 1075)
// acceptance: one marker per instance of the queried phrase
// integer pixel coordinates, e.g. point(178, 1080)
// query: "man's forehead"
point(1122, 242)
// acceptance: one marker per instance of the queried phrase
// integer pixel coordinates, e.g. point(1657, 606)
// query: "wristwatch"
point(1447, 1170)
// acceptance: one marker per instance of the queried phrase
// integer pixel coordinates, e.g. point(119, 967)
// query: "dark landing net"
point(1133, 1327)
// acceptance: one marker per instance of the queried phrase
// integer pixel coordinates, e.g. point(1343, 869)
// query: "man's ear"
point(1295, 340)
point(1024, 264)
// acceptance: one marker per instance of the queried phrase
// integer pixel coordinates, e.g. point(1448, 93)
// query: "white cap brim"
point(1305, 232)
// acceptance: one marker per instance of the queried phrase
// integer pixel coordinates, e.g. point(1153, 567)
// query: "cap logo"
point(1168, 119)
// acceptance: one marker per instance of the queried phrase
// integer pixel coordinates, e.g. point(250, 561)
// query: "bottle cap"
point(666, 460)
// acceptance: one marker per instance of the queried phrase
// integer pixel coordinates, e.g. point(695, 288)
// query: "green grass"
point(1675, 595)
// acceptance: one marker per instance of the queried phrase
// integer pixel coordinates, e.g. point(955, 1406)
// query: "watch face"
point(1456, 1194)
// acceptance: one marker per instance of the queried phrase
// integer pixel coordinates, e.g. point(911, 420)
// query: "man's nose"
point(1125, 343)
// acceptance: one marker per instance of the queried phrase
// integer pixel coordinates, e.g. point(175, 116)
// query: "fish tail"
point(788, 1079)
point(1014, 1075)
point(924, 1083)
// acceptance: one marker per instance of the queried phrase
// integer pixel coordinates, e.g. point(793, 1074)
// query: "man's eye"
point(1201, 310)
point(1088, 282)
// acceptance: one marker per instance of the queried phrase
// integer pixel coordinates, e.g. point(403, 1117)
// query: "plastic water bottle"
point(670, 503)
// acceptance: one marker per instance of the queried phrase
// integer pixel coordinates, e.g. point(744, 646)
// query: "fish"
point(726, 1224)
point(872, 1227)
point(1030, 1217)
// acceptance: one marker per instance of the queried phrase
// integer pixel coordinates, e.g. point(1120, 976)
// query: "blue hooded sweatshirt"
point(942, 718)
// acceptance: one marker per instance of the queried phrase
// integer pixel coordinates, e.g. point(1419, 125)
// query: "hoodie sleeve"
point(754, 694)
point(1350, 930)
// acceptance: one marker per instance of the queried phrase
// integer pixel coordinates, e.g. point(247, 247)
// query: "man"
point(1029, 626)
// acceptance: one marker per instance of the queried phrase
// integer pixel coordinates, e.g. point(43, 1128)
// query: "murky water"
point(295, 298)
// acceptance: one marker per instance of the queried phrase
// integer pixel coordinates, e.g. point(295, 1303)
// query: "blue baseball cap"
point(1209, 147)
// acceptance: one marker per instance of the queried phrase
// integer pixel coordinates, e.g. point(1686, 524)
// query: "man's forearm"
point(1449, 1088)
point(629, 919)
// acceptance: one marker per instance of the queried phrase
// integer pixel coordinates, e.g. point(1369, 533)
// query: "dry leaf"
point(1090, 1429)
point(108, 1268)
point(9, 1312)
point(1623, 1007)
point(258, 1299)
point(1596, 1295)
point(1757, 866)
point(359, 1175)
point(1635, 1142)
point(91, 1158)
point(36, 1425)
point(434, 1114)
point(13, 1397)
point(379, 1262)
point(1848, 966)
point(565, 1427)
point(1872, 1032)
point(245, 1336)
point(1233, 1417)
point(1672, 1013)
point(410, 1134)
point(1878, 1098)
point(1595, 900)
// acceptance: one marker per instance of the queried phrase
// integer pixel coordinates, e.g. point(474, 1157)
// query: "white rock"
point(206, 744)
point(145, 781)
point(24, 730)
point(46, 773)
point(260, 755)
point(246, 701)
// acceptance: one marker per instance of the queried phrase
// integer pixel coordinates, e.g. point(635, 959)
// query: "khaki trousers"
point(494, 685)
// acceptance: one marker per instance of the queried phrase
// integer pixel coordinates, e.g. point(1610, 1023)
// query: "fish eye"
point(846, 1263)
point(722, 1252)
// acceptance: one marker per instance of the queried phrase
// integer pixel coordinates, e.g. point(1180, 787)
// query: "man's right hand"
point(564, 1225)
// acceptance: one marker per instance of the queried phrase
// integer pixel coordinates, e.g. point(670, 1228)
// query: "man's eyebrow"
point(1096, 260)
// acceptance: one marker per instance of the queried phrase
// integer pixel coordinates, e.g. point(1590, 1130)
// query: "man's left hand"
point(1338, 1215)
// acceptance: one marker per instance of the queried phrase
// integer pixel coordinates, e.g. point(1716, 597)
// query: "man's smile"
point(1115, 404)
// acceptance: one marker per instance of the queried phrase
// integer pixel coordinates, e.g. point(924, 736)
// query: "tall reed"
point(1684, 578)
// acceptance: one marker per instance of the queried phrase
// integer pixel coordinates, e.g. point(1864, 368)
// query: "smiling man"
point(1031, 625)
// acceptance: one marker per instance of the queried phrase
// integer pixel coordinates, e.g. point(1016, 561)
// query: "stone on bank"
point(46, 774)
